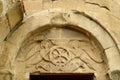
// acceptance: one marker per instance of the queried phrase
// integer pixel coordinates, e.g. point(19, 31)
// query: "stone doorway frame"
point(61, 17)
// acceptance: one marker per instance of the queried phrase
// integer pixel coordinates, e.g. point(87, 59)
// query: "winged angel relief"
point(63, 56)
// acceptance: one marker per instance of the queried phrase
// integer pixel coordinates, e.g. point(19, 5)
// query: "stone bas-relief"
point(58, 53)
point(26, 63)
point(56, 57)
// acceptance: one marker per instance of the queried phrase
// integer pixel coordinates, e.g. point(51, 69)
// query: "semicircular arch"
point(63, 17)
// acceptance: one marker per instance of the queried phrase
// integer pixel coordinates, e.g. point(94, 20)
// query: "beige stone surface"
point(1, 7)
point(115, 75)
point(4, 28)
point(68, 51)
point(4, 57)
point(52, 27)
point(114, 62)
point(32, 6)
point(81, 21)
point(110, 22)
point(14, 15)
point(90, 8)
point(56, 17)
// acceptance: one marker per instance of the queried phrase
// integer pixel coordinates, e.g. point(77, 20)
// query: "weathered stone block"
point(3, 54)
point(66, 4)
point(113, 58)
point(115, 75)
point(32, 6)
point(4, 28)
point(5, 74)
point(1, 7)
point(5, 77)
point(15, 15)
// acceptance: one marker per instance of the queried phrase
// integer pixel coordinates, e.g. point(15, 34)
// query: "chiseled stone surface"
point(112, 53)
point(9, 18)
point(10, 15)
point(14, 15)
point(97, 9)
point(4, 28)
point(1, 7)
point(115, 75)
point(59, 36)
point(68, 51)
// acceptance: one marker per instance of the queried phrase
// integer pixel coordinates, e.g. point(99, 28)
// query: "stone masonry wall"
point(11, 15)
point(14, 13)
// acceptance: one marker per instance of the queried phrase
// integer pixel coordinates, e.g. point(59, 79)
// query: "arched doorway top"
point(79, 20)
point(61, 49)
point(61, 17)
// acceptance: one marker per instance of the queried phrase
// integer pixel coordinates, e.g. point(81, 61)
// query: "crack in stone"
point(101, 6)
point(89, 17)
point(97, 22)
point(8, 21)
point(109, 47)
point(13, 30)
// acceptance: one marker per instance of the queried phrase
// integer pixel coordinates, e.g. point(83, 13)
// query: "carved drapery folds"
point(58, 53)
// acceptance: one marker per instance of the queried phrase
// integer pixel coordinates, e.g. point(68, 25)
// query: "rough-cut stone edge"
point(14, 15)
point(1, 7)
point(4, 28)
point(115, 75)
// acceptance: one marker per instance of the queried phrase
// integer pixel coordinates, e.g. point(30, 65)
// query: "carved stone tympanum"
point(61, 50)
